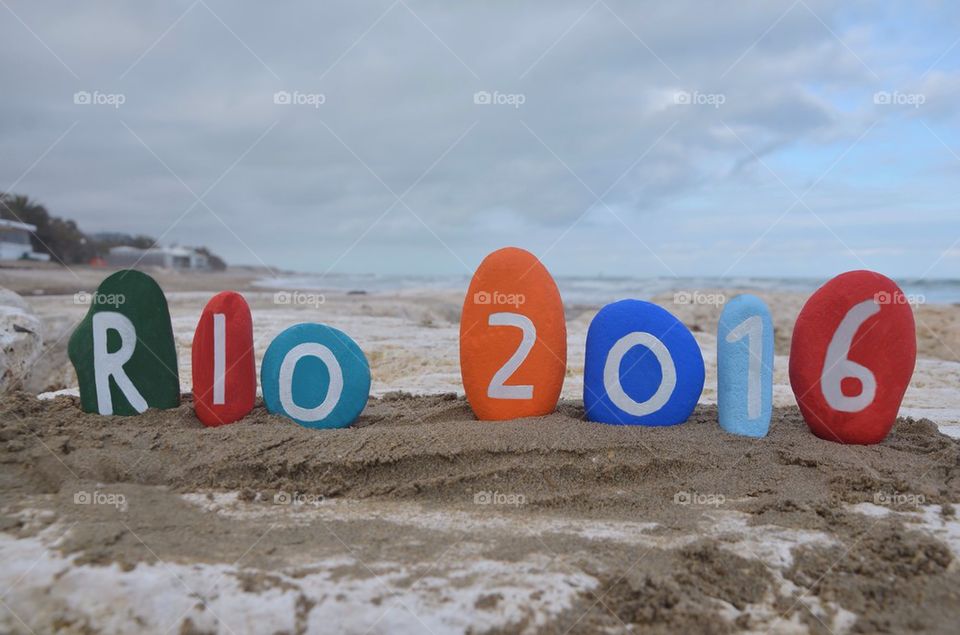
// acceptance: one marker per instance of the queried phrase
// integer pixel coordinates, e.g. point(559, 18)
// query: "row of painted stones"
point(852, 356)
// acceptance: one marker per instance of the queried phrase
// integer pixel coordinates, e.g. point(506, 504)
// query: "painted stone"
point(224, 368)
point(315, 375)
point(853, 352)
point(745, 366)
point(642, 366)
point(513, 338)
point(123, 350)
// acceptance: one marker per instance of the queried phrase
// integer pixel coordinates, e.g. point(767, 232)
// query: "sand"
point(421, 519)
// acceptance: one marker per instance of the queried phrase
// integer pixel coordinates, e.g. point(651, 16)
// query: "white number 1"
point(752, 329)
point(219, 358)
point(497, 388)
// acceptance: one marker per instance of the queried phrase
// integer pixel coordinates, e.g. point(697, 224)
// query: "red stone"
point(238, 365)
point(835, 396)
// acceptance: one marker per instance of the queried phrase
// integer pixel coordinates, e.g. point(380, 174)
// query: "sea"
point(600, 290)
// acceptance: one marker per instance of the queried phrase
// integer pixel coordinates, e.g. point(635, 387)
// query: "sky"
point(642, 139)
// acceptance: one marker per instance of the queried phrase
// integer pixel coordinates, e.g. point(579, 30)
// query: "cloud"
point(583, 105)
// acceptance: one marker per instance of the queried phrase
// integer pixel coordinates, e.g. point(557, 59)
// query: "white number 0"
point(611, 374)
point(836, 366)
point(497, 388)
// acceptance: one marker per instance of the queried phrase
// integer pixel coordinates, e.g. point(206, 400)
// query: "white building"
point(163, 257)
point(15, 242)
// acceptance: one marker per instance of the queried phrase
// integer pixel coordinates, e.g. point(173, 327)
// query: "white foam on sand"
point(463, 591)
point(768, 542)
point(933, 394)
point(66, 392)
point(46, 589)
point(928, 518)
point(771, 545)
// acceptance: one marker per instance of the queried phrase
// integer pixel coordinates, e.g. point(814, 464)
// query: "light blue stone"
point(642, 366)
point(745, 366)
point(317, 362)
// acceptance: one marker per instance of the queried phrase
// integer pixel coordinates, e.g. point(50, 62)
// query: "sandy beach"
point(418, 518)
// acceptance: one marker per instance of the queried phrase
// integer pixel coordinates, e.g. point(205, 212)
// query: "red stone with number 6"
point(224, 371)
point(852, 356)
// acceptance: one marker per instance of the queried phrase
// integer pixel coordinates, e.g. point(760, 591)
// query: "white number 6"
point(497, 388)
point(836, 367)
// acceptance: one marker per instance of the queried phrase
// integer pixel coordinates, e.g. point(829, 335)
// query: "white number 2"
point(497, 388)
point(836, 367)
point(752, 329)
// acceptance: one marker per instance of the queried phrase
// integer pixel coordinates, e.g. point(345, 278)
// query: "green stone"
point(127, 332)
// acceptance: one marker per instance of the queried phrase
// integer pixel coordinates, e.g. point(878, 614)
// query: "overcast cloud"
point(648, 139)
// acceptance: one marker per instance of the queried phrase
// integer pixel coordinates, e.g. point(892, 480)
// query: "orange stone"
point(513, 338)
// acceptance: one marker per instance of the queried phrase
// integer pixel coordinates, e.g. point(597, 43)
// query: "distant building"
point(163, 257)
point(15, 242)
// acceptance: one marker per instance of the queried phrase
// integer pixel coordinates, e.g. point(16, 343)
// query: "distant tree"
point(64, 241)
point(71, 244)
point(17, 207)
point(216, 262)
point(105, 241)
point(142, 242)
point(60, 238)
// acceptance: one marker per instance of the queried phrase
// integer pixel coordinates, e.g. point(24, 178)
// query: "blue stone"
point(745, 366)
point(642, 366)
point(315, 375)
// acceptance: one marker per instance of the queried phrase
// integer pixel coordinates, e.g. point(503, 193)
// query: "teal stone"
point(123, 350)
point(315, 375)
